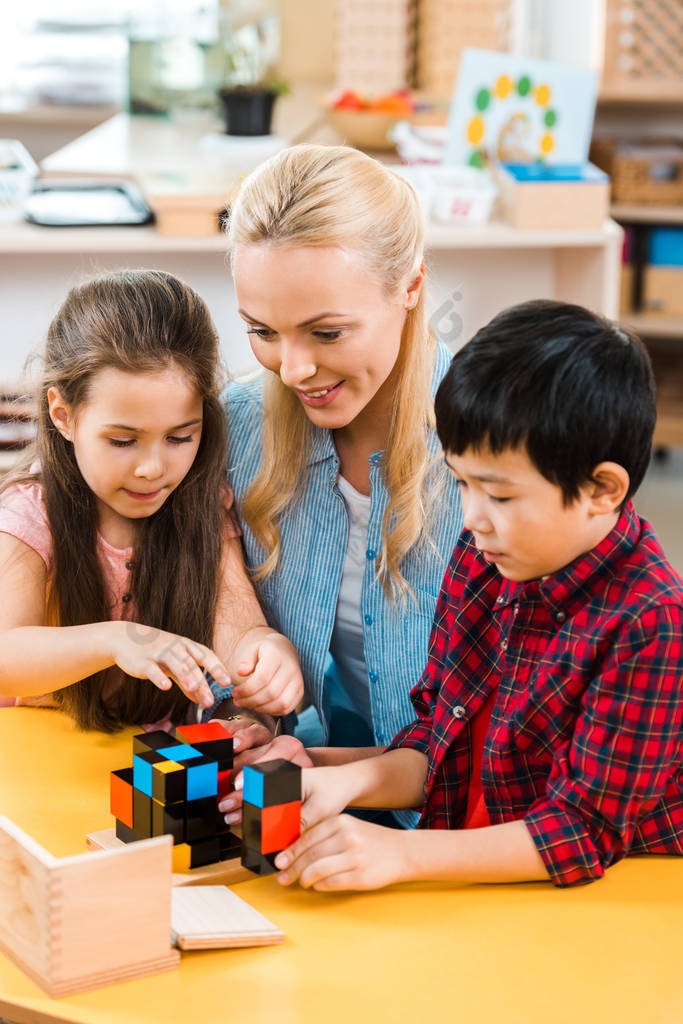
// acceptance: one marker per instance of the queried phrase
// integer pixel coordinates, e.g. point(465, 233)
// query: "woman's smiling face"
point(321, 320)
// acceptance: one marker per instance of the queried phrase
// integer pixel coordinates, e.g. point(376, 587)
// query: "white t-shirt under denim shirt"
point(346, 680)
point(300, 598)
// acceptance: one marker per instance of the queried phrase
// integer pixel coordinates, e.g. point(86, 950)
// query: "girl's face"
point(134, 439)
point(323, 322)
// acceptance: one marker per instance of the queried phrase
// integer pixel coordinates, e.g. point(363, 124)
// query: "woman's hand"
point(165, 658)
point(270, 672)
point(344, 853)
point(288, 747)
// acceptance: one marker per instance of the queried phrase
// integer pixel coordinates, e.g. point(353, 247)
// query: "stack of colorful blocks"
point(173, 788)
point(271, 812)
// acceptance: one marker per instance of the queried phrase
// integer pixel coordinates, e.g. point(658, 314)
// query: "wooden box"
point(663, 291)
point(553, 197)
point(79, 922)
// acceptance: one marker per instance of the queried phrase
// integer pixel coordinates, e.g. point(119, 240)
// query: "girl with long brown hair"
point(120, 556)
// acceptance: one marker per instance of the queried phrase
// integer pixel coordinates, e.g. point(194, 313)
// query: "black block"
point(142, 814)
point(254, 861)
point(125, 834)
point(156, 740)
point(169, 819)
point(200, 819)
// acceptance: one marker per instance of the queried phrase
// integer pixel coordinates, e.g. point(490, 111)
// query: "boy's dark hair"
point(569, 386)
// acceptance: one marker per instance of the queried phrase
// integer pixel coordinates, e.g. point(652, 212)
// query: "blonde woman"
point(349, 516)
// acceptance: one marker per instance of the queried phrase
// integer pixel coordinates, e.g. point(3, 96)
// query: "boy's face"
point(517, 517)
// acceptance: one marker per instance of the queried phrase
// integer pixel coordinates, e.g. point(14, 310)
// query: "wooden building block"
point(79, 922)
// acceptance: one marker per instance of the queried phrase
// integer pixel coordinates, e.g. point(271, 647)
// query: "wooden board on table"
point(223, 872)
point(76, 923)
point(213, 917)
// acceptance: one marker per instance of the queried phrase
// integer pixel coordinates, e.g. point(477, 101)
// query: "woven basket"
point(648, 173)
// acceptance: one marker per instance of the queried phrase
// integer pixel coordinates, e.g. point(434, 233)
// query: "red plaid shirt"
point(585, 740)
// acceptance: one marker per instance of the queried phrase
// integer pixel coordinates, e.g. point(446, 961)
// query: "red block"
point(201, 733)
point(121, 795)
point(280, 826)
point(224, 784)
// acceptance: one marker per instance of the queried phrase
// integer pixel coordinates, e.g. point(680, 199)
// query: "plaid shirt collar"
point(566, 590)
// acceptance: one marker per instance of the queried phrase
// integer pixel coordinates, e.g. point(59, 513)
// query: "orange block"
point(121, 795)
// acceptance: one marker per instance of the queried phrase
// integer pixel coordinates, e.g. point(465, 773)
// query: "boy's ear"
point(414, 287)
point(60, 413)
point(607, 487)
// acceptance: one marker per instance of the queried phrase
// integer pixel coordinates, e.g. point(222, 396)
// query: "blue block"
point(202, 780)
point(252, 792)
point(142, 775)
point(665, 247)
point(183, 752)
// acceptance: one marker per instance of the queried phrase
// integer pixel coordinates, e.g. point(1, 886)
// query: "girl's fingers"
point(208, 660)
point(188, 675)
point(156, 676)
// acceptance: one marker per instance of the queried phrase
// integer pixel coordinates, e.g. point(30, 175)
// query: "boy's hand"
point(164, 658)
point(288, 747)
point(344, 853)
point(270, 673)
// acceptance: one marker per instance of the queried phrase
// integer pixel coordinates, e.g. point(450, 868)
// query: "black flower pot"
point(247, 111)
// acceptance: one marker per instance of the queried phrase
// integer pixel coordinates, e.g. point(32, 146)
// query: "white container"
point(461, 195)
point(17, 171)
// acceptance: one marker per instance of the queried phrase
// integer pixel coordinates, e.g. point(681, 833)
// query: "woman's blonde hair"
point(312, 195)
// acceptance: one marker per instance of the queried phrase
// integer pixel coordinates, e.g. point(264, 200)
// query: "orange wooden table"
point(523, 954)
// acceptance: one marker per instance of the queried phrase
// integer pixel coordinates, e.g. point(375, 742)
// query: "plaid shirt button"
point(503, 645)
point(458, 711)
point(560, 617)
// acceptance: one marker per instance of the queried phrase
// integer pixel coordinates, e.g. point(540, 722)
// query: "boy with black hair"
point(548, 742)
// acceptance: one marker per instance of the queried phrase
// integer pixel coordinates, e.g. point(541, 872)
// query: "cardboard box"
point(566, 196)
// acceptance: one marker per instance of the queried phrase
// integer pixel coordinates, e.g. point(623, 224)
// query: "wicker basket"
point(647, 173)
point(643, 50)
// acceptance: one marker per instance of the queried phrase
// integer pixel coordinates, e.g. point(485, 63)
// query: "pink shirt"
point(23, 515)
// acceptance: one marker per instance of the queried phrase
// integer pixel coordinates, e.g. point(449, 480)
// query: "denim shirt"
point(300, 598)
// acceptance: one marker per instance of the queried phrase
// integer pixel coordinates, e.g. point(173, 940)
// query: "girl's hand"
point(270, 670)
point(288, 747)
point(164, 658)
point(344, 853)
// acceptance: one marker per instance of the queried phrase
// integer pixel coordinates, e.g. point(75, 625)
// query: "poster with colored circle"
point(512, 110)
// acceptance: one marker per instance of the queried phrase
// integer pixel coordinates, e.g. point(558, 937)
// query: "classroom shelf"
point(650, 326)
point(641, 214)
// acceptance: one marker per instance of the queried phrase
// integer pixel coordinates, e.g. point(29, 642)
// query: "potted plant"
point(250, 84)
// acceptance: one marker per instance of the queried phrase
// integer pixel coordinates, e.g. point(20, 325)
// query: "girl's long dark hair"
point(135, 321)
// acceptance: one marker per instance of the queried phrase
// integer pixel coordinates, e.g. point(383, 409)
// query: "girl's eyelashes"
point(118, 443)
point(260, 332)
